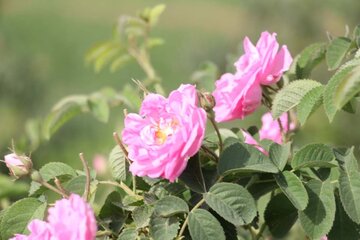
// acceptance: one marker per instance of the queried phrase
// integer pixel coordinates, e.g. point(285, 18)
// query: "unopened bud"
point(207, 101)
point(18, 165)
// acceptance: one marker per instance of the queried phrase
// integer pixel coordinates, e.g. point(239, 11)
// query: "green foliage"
point(331, 88)
point(170, 205)
point(279, 154)
point(232, 202)
point(348, 88)
point(308, 59)
point(48, 172)
point(164, 228)
point(203, 225)
point(313, 155)
point(11, 189)
point(293, 188)
point(336, 51)
point(311, 101)
point(241, 158)
point(17, 217)
point(118, 164)
point(317, 219)
point(291, 95)
point(280, 215)
point(205, 77)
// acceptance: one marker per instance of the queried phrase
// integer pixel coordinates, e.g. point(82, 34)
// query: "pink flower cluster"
point(166, 133)
point(238, 95)
point(270, 130)
point(69, 219)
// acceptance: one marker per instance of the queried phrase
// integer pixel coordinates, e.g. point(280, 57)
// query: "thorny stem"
point(212, 120)
point(183, 227)
point(88, 178)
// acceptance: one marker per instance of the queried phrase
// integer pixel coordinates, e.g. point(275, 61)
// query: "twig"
point(209, 151)
point(52, 188)
point(122, 186)
point(183, 227)
point(61, 188)
point(88, 178)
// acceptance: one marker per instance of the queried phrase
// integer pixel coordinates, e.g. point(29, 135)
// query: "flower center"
point(164, 129)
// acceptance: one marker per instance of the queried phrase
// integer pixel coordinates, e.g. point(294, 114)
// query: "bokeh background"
point(43, 44)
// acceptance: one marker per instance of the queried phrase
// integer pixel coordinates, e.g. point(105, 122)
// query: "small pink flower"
point(248, 139)
point(271, 130)
point(324, 238)
point(236, 96)
point(99, 164)
point(166, 133)
point(18, 165)
point(270, 63)
point(72, 219)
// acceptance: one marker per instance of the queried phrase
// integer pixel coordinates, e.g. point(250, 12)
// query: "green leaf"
point(170, 205)
point(10, 189)
point(279, 154)
point(332, 86)
point(291, 95)
point(99, 107)
point(280, 215)
point(343, 227)
point(17, 217)
point(76, 185)
point(317, 219)
point(164, 228)
point(119, 62)
point(155, 13)
point(192, 176)
point(232, 202)
point(154, 42)
point(348, 88)
point(356, 35)
point(141, 215)
point(310, 102)
point(118, 164)
point(62, 112)
point(309, 58)
point(313, 155)
point(48, 172)
point(129, 233)
point(240, 158)
point(293, 188)
point(112, 212)
point(336, 52)
point(203, 225)
point(206, 76)
point(349, 188)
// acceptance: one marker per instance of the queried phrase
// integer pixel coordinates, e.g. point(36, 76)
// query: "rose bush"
point(171, 180)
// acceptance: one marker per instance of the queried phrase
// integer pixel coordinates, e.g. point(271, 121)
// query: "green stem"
point(182, 230)
point(88, 177)
point(212, 120)
point(122, 186)
point(262, 229)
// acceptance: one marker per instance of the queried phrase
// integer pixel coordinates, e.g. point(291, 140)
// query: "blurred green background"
point(43, 43)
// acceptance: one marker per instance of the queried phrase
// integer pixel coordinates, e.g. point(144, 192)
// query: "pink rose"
point(324, 238)
point(39, 230)
point(236, 96)
point(271, 130)
point(248, 139)
point(18, 165)
point(166, 133)
point(70, 219)
point(270, 63)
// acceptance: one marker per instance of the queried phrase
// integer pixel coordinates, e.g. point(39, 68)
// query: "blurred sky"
point(43, 43)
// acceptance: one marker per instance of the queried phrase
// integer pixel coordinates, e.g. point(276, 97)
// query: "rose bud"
point(18, 165)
